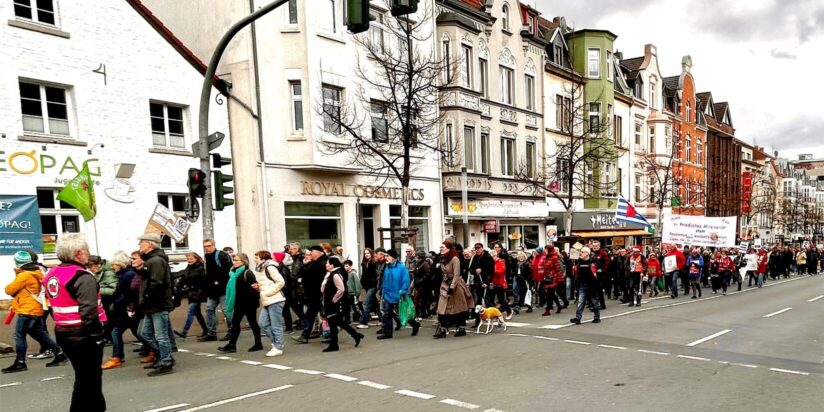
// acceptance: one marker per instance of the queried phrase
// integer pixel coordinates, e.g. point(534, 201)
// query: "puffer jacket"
point(395, 282)
point(24, 288)
point(270, 283)
point(107, 280)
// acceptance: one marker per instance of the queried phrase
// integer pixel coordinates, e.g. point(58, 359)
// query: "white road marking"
point(168, 408)
point(816, 298)
point(307, 371)
point(612, 347)
point(237, 398)
point(713, 336)
point(520, 335)
point(746, 365)
point(225, 358)
point(517, 324)
point(251, 362)
point(545, 338)
point(374, 385)
point(341, 377)
point(553, 327)
point(11, 384)
point(276, 366)
point(184, 351)
point(789, 371)
point(653, 352)
point(460, 404)
point(769, 315)
point(205, 354)
point(577, 342)
point(414, 394)
point(694, 358)
point(51, 379)
point(493, 410)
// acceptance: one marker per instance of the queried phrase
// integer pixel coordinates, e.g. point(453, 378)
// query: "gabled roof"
point(175, 42)
point(704, 98)
point(722, 111)
point(671, 82)
point(632, 64)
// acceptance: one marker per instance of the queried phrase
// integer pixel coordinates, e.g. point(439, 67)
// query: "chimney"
point(619, 55)
point(561, 22)
point(650, 50)
point(686, 63)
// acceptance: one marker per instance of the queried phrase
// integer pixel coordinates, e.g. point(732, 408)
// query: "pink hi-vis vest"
point(65, 309)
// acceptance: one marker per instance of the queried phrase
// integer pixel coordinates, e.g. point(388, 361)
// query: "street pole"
point(465, 203)
point(205, 99)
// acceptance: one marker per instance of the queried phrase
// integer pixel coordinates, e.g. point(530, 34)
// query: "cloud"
point(798, 132)
point(746, 20)
point(586, 14)
point(783, 54)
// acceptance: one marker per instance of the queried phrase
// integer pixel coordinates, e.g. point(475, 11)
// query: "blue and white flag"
point(627, 213)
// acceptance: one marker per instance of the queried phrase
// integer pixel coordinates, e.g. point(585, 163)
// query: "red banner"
point(746, 192)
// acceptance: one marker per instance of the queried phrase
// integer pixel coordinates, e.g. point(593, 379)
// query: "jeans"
point(309, 320)
point(570, 294)
point(584, 296)
point(86, 357)
point(760, 281)
point(31, 325)
point(634, 294)
point(519, 292)
point(673, 277)
point(389, 316)
point(194, 312)
point(370, 302)
point(211, 315)
point(271, 321)
point(156, 332)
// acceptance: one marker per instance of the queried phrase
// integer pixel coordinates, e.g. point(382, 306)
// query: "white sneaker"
point(274, 352)
point(508, 316)
point(361, 326)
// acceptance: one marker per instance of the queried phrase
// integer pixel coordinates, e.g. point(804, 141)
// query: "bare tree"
point(585, 150)
point(390, 123)
point(659, 169)
point(790, 214)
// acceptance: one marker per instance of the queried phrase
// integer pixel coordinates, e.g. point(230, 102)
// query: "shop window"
point(313, 223)
point(514, 236)
point(177, 204)
point(56, 217)
point(418, 218)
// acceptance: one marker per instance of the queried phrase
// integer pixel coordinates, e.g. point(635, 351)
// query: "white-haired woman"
point(585, 271)
point(78, 320)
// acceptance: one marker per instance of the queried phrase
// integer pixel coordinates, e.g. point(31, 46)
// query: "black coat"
point(156, 284)
point(487, 266)
point(313, 273)
point(331, 308)
point(218, 265)
point(369, 275)
point(194, 277)
point(245, 296)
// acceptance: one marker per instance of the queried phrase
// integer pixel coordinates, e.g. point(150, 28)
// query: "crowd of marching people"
point(312, 293)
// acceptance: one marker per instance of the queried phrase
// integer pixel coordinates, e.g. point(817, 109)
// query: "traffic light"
point(196, 183)
point(220, 181)
point(357, 16)
point(402, 7)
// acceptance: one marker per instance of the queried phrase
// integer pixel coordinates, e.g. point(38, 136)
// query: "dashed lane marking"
point(54, 378)
point(653, 352)
point(460, 404)
point(341, 377)
point(789, 371)
point(518, 324)
point(746, 365)
point(612, 347)
point(308, 371)
point(520, 335)
point(168, 408)
point(237, 398)
point(374, 385)
point(414, 394)
point(577, 342)
point(225, 358)
point(769, 315)
point(11, 384)
point(694, 358)
point(816, 298)
point(276, 366)
point(545, 338)
point(713, 336)
point(184, 351)
point(251, 362)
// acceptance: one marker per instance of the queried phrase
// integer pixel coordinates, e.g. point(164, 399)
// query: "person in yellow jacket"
point(28, 308)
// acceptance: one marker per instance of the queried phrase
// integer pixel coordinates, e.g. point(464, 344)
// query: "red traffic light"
point(197, 183)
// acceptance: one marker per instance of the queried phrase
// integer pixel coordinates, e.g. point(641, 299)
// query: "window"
point(557, 53)
point(514, 236)
point(563, 174)
point(620, 181)
point(531, 159)
point(594, 117)
point(331, 109)
point(450, 144)
point(380, 132)
point(609, 115)
point(506, 82)
point(689, 112)
point(484, 153)
point(177, 204)
point(505, 17)
point(376, 32)
point(293, 11)
point(529, 85)
point(636, 91)
point(56, 217)
point(699, 151)
point(483, 70)
point(466, 66)
point(167, 125)
point(639, 132)
point(296, 92)
point(559, 112)
point(418, 218)
point(313, 223)
point(45, 109)
point(41, 12)
point(507, 157)
point(594, 63)
point(447, 61)
point(618, 127)
point(688, 145)
point(328, 16)
point(651, 139)
point(609, 65)
point(607, 174)
point(638, 188)
point(653, 100)
point(653, 183)
point(469, 148)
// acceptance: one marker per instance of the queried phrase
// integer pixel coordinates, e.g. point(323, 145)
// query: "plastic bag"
point(660, 282)
point(324, 327)
point(528, 297)
point(406, 310)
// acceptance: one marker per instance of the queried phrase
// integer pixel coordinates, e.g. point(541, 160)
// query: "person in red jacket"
point(497, 290)
point(762, 267)
point(680, 260)
point(602, 261)
point(538, 267)
point(552, 275)
point(653, 272)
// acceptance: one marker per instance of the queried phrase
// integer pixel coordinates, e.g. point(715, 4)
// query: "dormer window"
point(556, 55)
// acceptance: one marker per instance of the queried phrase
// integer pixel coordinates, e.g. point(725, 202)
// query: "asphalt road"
point(741, 352)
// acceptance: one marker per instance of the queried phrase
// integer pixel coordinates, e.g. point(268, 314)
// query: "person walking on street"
point(672, 275)
point(245, 303)
point(394, 286)
point(194, 277)
point(27, 305)
point(454, 296)
point(156, 302)
point(312, 276)
point(79, 320)
point(761, 271)
point(369, 283)
point(122, 316)
point(604, 265)
point(586, 270)
point(636, 269)
point(695, 265)
point(333, 290)
point(269, 285)
point(218, 264)
point(654, 273)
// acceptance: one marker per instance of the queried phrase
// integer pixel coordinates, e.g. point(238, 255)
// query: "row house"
point(73, 98)
point(724, 158)
point(492, 113)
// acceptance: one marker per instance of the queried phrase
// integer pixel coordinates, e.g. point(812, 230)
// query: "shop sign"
point(19, 224)
point(28, 163)
point(491, 226)
point(313, 188)
point(503, 208)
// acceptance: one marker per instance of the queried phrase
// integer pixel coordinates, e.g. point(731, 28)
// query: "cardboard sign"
point(670, 264)
point(165, 221)
point(744, 246)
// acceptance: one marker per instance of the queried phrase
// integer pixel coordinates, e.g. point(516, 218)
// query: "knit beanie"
point(21, 258)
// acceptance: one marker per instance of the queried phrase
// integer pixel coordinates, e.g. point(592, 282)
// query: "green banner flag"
point(79, 192)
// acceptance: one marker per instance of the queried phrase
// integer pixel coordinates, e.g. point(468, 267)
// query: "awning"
point(612, 233)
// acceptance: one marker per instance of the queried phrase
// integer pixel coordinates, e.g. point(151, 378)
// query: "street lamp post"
point(201, 148)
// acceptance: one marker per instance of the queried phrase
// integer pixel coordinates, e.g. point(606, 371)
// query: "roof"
point(703, 98)
point(672, 82)
point(720, 108)
point(632, 64)
point(176, 43)
point(473, 3)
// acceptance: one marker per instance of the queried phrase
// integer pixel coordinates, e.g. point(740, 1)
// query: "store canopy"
point(612, 233)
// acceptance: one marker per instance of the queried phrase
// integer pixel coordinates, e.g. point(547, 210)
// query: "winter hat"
point(539, 249)
point(150, 236)
point(638, 248)
point(22, 258)
point(393, 253)
point(278, 256)
point(316, 248)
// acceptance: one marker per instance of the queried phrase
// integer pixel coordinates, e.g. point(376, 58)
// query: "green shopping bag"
point(406, 309)
point(660, 282)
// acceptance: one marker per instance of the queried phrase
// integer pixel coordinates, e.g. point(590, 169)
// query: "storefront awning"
point(612, 233)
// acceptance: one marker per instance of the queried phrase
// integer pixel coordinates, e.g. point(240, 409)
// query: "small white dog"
point(487, 316)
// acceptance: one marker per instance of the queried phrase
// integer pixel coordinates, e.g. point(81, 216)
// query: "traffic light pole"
point(205, 98)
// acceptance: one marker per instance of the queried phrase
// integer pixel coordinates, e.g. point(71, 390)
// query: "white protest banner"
point(699, 230)
point(167, 222)
point(752, 262)
point(670, 264)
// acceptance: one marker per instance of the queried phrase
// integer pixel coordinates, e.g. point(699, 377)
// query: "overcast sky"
point(764, 57)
